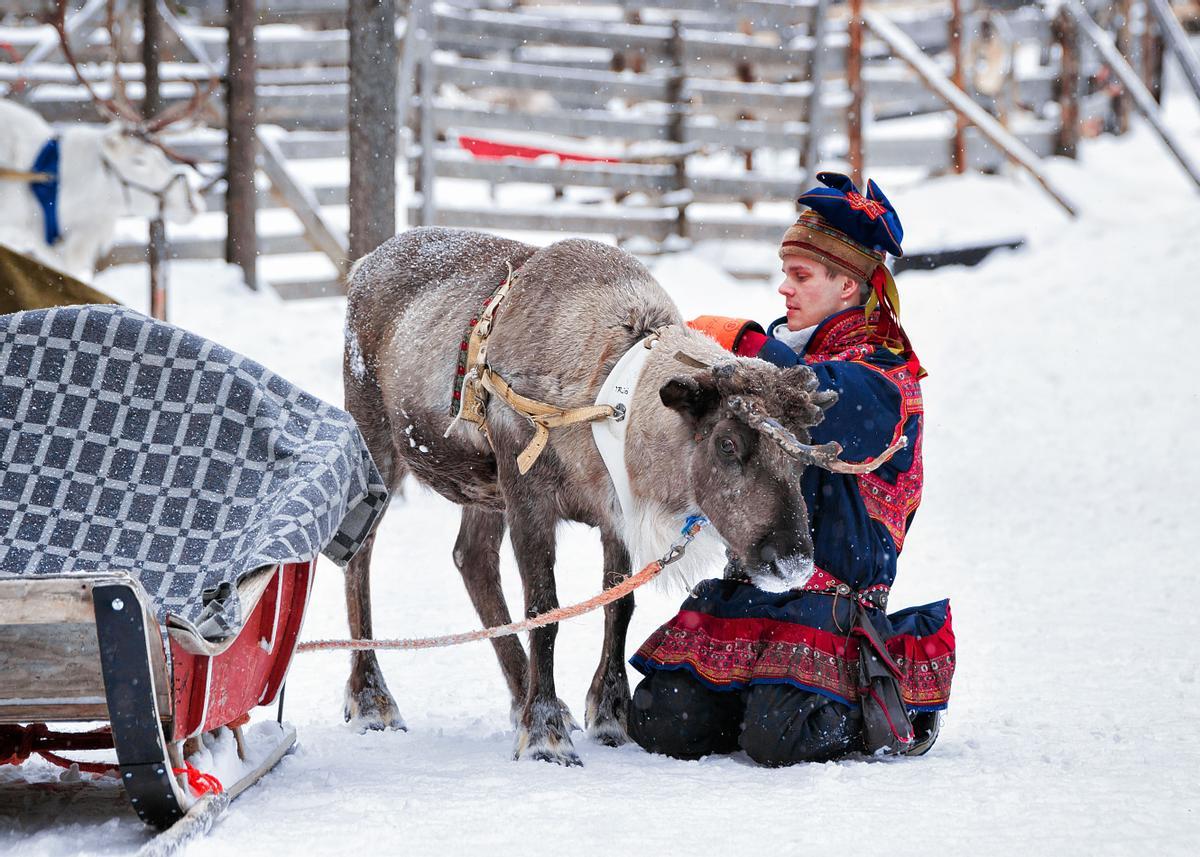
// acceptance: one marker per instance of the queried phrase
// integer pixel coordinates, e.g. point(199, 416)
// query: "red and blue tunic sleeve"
point(869, 414)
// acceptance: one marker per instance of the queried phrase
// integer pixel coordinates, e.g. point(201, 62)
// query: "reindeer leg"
point(369, 703)
point(543, 731)
point(607, 710)
point(477, 556)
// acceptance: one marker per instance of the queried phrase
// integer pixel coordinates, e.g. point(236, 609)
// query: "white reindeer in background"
point(101, 173)
point(105, 172)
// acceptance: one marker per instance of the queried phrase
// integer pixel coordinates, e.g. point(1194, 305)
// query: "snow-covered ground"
point(1061, 497)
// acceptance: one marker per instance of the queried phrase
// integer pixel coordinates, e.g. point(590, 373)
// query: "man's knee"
point(785, 725)
point(673, 713)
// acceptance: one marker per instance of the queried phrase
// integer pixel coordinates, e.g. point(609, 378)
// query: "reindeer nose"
point(769, 554)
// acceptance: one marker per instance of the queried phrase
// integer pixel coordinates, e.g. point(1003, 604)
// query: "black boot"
point(926, 725)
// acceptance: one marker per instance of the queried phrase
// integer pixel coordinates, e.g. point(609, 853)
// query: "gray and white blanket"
point(130, 444)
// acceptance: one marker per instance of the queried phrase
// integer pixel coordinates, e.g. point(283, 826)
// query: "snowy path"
point(1059, 517)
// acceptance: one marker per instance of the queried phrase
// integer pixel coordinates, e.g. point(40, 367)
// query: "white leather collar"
point(609, 435)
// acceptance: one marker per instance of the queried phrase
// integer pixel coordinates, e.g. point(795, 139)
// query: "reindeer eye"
point(727, 446)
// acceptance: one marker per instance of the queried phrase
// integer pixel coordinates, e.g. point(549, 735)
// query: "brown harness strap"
point(480, 380)
point(543, 417)
point(11, 175)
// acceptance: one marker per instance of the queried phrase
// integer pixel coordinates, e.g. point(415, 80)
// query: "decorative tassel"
point(886, 297)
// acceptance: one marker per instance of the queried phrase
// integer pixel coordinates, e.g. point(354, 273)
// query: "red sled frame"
point(87, 648)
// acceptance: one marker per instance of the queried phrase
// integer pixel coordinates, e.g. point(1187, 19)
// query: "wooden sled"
point(87, 647)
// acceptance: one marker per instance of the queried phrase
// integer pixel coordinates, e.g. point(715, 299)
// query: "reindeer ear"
point(691, 396)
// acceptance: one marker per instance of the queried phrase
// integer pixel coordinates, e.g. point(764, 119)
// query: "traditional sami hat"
point(853, 235)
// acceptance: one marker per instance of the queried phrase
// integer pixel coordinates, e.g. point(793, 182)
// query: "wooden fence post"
point(372, 118)
point(1171, 35)
point(241, 239)
point(156, 247)
point(811, 155)
point(854, 115)
point(1066, 34)
point(1122, 9)
point(678, 101)
point(428, 130)
point(958, 146)
point(1153, 53)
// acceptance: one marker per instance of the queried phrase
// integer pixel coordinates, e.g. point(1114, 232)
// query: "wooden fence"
point(700, 107)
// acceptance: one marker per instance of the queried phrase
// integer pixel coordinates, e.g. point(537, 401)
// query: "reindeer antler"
point(825, 455)
point(118, 107)
point(110, 107)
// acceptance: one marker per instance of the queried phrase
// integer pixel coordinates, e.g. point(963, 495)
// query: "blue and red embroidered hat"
point(853, 234)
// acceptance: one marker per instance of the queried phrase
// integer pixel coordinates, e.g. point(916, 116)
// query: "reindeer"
point(122, 168)
point(105, 173)
point(708, 433)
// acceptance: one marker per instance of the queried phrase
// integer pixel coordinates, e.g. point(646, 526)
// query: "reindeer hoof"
point(372, 710)
point(607, 716)
point(568, 759)
point(569, 721)
point(545, 734)
point(610, 733)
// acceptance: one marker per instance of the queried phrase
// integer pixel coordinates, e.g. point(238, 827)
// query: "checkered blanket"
point(130, 444)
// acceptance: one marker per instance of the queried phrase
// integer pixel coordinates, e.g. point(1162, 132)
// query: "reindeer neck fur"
point(85, 186)
point(659, 449)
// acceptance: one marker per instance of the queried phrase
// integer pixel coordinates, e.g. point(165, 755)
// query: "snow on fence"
point(691, 105)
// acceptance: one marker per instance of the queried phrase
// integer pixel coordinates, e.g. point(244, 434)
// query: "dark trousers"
point(675, 714)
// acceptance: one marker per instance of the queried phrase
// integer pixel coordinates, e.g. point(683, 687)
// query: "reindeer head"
point(750, 425)
point(151, 185)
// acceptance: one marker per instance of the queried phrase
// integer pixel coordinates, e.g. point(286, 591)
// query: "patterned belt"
point(825, 583)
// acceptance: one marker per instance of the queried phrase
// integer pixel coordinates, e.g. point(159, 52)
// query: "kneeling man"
point(819, 671)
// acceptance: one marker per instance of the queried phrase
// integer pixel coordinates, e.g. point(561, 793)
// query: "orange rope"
point(549, 618)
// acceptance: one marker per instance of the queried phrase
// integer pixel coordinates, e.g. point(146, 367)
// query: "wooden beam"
point(427, 174)
point(1124, 43)
point(810, 159)
point(303, 203)
point(241, 236)
point(156, 258)
point(372, 120)
point(958, 150)
point(1142, 98)
point(904, 47)
point(1066, 34)
point(854, 117)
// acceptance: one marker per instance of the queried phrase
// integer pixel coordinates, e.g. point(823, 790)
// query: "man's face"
point(812, 291)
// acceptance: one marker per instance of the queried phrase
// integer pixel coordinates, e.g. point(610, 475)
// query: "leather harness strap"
point(543, 417)
point(11, 175)
point(480, 379)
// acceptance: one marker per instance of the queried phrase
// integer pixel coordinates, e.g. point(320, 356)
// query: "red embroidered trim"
point(738, 652)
